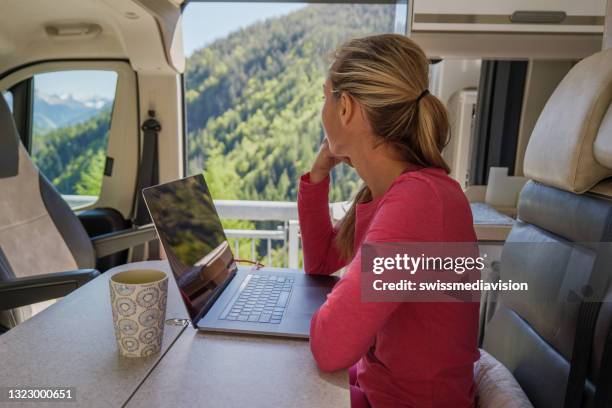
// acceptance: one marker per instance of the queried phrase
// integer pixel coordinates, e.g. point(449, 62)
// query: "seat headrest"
point(571, 144)
point(9, 142)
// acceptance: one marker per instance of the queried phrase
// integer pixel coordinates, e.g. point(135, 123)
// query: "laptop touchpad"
point(307, 300)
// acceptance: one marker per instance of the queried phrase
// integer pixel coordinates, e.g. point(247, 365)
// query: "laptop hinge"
point(209, 304)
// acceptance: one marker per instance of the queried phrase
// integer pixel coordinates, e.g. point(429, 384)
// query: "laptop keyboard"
point(260, 299)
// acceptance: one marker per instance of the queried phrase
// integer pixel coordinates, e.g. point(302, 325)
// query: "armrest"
point(113, 242)
point(32, 289)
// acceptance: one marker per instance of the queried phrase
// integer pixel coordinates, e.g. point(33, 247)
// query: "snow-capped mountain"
point(56, 111)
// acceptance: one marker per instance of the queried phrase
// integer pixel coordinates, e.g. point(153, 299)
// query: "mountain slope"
point(72, 158)
point(254, 98)
point(53, 111)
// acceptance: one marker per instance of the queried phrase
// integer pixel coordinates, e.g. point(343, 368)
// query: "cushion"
point(571, 147)
point(496, 386)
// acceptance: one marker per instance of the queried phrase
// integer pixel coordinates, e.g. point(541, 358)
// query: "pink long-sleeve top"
point(408, 354)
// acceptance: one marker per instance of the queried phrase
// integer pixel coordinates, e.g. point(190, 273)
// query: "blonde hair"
point(388, 75)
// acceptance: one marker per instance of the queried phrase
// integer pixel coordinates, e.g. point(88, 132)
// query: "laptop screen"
point(192, 236)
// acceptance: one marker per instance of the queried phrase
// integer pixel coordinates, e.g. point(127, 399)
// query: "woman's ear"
point(347, 107)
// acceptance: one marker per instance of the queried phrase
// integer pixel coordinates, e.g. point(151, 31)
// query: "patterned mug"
point(138, 302)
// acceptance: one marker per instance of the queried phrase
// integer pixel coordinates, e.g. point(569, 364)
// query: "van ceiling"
point(141, 31)
point(148, 34)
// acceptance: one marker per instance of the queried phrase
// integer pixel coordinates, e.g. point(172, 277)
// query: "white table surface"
point(72, 344)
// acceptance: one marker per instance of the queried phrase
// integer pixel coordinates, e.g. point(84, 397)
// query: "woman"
point(380, 118)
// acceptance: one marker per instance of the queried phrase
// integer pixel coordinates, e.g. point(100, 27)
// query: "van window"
point(71, 121)
point(253, 89)
point(253, 96)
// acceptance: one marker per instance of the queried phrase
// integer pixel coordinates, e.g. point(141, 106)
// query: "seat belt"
point(603, 390)
point(587, 318)
point(581, 353)
point(148, 172)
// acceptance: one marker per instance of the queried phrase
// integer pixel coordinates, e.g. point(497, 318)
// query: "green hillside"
point(254, 100)
point(72, 158)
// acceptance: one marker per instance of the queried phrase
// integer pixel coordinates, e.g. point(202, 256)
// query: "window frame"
point(23, 109)
point(116, 192)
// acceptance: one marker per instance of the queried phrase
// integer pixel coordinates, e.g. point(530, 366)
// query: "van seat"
point(563, 212)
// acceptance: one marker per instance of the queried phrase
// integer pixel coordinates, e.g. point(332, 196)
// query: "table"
point(490, 224)
point(217, 370)
point(72, 344)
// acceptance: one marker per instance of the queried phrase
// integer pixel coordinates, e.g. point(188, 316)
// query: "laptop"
point(219, 295)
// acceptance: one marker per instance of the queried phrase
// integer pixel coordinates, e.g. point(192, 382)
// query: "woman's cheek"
point(331, 145)
point(325, 123)
point(331, 139)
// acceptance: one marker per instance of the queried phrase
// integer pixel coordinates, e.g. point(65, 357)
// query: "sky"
point(81, 84)
point(205, 22)
point(202, 23)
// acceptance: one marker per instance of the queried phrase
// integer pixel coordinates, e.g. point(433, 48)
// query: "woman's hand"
point(324, 163)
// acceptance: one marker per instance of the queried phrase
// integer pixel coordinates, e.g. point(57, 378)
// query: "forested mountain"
point(254, 100)
point(72, 158)
point(253, 103)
